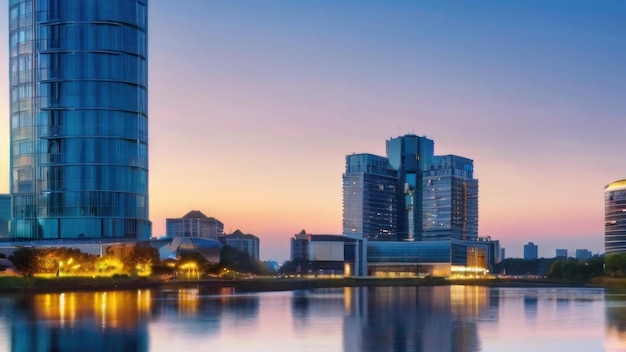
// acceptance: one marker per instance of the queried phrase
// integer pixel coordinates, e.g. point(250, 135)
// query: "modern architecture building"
point(615, 217)
point(531, 251)
point(369, 197)
point(450, 199)
point(351, 256)
point(243, 242)
point(410, 155)
point(410, 195)
point(78, 73)
point(194, 224)
point(327, 255)
point(5, 215)
point(561, 253)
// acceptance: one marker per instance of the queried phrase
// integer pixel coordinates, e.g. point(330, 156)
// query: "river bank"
point(63, 284)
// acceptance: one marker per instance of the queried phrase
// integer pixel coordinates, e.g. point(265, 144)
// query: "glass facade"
point(79, 119)
point(615, 217)
point(450, 203)
point(410, 155)
point(369, 191)
point(5, 214)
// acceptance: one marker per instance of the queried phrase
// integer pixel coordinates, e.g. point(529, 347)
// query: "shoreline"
point(57, 285)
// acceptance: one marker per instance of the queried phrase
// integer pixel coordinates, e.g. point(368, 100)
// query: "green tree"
point(141, 259)
point(25, 261)
point(615, 264)
point(234, 259)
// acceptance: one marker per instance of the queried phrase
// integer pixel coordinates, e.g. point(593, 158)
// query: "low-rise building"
point(244, 242)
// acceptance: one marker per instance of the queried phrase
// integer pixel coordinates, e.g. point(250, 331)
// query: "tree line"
point(143, 260)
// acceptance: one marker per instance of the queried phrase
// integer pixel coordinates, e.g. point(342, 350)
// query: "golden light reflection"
point(188, 300)
point(468, 300)
point(116, 309)
point(347, 299)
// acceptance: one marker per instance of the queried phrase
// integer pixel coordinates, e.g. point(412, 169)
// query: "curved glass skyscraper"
point(79, 119)
point(615, 217)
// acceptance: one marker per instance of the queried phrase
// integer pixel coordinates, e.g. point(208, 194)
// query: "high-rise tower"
point(410, 155)
point(450, 202)
point(79, 119)
point(615, 217)
point(369, 197)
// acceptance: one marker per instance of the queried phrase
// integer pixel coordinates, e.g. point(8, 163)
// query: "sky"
point(253, 106)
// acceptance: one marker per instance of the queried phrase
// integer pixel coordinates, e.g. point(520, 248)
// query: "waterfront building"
point(615, 217)
point(410, 195)
point(450, 199)
point(5, 214)
point(194, 224)
point(583, 254)
point(449, 257)
point(327, 255)
point(369, 197)
point(561, 253)
point(353, 256)
point(410, 155)
point(243, 242)
point(78, 75)
point(530, 251)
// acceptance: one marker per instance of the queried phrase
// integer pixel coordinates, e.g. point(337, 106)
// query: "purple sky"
point(254, 105)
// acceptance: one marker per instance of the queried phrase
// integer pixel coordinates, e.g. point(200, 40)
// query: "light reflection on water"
point(441, 318)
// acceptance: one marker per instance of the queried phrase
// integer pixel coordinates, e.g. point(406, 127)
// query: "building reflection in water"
point(81, 321)
point(441, 318)
point(615, 319)
point(116, 320)
point(531, 302)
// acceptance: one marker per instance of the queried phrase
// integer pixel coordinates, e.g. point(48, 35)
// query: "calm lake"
point(441, 318)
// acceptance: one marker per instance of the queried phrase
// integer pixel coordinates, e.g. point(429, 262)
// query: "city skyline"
point(253, 107)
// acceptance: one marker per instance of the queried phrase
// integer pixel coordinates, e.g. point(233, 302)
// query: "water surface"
point(440, 318)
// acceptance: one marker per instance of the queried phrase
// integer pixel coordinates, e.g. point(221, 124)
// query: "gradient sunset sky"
point(254, 105)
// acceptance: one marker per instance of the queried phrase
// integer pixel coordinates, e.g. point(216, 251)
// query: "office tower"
point(369, 197)
point(410, 155)
point(561, 253)
point(79, 119)
point(530, 251)
point(194, 224)
point(615, 217)
point(450, 202)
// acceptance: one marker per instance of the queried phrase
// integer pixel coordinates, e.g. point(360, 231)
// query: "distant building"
point(530, 251)
point(561, 253)
point(5, 214)
point(244, 242)
point(194, 224)
point(583, 254)
point(615, 217)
